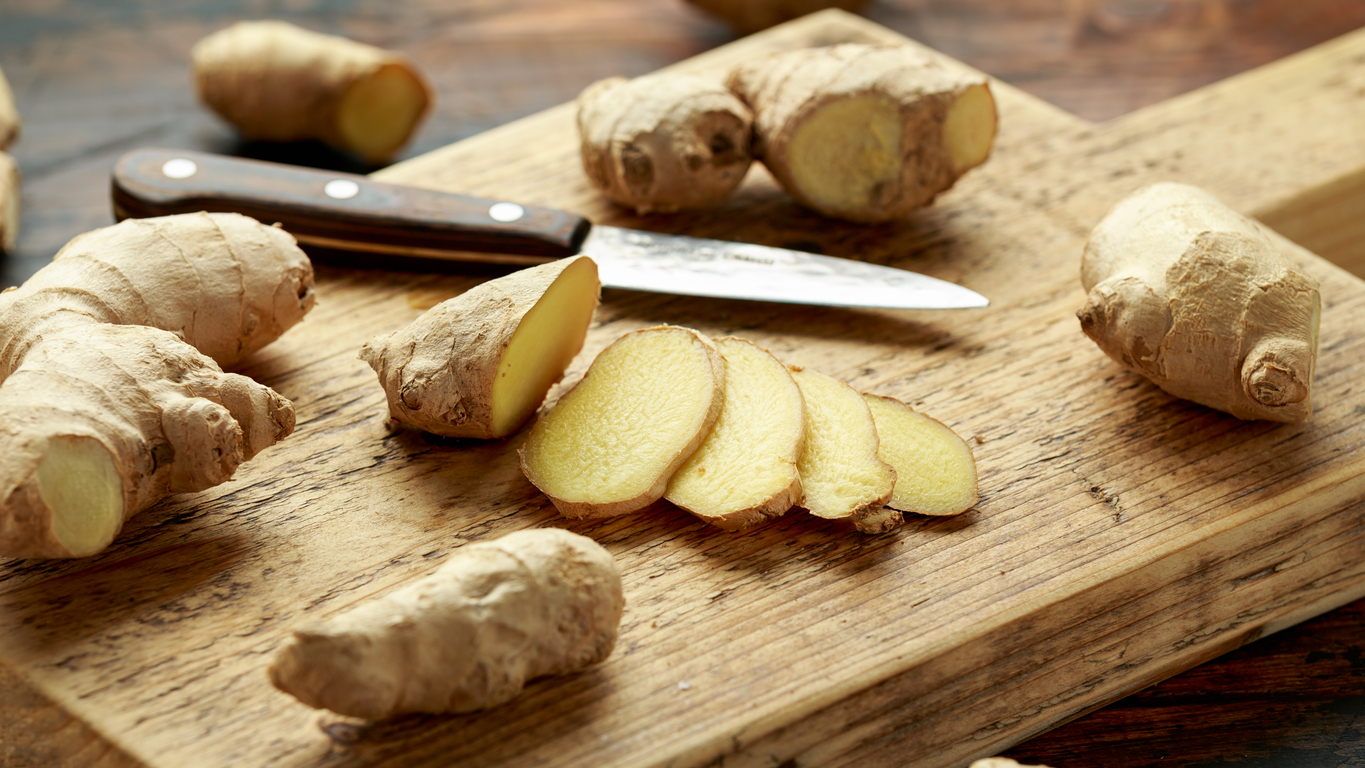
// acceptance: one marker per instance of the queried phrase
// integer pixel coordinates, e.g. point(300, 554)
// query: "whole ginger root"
point(277, 82)
point(664, 142)
point(467, 637)
point(865, 133)
point(1195, 297)
point(111, 394)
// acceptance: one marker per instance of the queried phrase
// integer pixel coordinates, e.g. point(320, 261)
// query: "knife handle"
point(346, 211)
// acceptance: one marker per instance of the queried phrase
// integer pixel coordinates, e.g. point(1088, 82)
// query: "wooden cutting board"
point(1121, 537)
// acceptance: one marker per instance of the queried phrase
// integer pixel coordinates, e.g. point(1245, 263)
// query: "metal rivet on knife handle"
point(179, 168)
point(341, 189)
point(506, 212)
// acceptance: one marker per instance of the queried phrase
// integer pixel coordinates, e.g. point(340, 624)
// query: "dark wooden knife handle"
point(340, 210)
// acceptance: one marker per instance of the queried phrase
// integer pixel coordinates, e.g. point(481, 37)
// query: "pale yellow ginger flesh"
point(745, 471)
point(9, 202)
point(935, 470)
point(467, 637)
point(866, 133)
point(1195, 297)
point(841, 471)
point(748, 16)
point(277, 82)
point(10, 122)
point(111, 394)
point(664, 142)
point(480, 364)
point(610, 445)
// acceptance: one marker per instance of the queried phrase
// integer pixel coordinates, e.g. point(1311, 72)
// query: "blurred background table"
point(95, 78)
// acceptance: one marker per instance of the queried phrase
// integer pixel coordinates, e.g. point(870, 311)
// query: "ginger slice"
point(935, 471)
point(611, 444)
point(843, 476)
point(865, 133)
point(745, 471)
point(480, 364)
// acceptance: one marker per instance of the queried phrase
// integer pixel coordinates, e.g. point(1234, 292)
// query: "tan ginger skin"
point(447, 372)
point(664, 142)
point(749, 16)
point(277, 82)
point(111, 394)
point(467, 637)
point(9, 172)
point(865, 133)
point(1196, 298)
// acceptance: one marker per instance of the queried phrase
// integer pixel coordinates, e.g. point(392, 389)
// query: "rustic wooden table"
point(94, 78)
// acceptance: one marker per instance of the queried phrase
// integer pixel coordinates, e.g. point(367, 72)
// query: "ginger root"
point(611, 444)
point(745, 471)
point(277, 82)
point(111, 394)
point(10, 123)
point(9, 172)
point(935, 471)
point(493, 616)
point(841, 471)
point(480, 364)
point(1195, 297)
point(749, 16)
point(863, 132)
point(664, 142)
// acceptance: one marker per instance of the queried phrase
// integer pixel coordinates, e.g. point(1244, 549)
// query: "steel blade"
point(694, 266)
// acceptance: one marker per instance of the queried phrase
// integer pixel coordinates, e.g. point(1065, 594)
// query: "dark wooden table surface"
point(94, 78)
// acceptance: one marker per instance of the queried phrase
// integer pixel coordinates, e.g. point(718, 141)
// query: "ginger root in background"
point(865, 133)
point(469, 636)
point(1195, 297)
point(277, 82)
point(10, 125)
point(111, 394)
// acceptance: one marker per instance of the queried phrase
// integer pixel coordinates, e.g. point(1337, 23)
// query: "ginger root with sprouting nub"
point(480, 364)
point(111, 394)
point(1195, 297)
point(611, 444)
point(9, 171)
point(469, 636)
point(865, 133)
point(748, 16)
point(745, 470)
point(277, 82)
point(664, 142)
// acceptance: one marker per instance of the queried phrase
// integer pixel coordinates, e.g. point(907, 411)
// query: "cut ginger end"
point(378, 113)
point(610, 445)
point(545, 342)
point(935, 471)
point(80, 485)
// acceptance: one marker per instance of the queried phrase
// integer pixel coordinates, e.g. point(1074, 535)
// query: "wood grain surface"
point(161, 641)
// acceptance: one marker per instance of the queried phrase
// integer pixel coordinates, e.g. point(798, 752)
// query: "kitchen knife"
point(356, 213)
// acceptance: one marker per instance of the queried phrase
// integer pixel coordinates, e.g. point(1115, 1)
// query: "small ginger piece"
point(277, 82)
point(480, 364)
point(111, 394)
point(841, 471)
point(1195, 297)
point(749, 16)
point(9, 202)
point(865, 133)
point(469, 636)
point(745, 470)
point(611, 444)
point(935, 471)
point(664, 142)
point(10, 123)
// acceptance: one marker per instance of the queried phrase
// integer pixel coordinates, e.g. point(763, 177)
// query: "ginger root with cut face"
point(480, 364)
point(469, 636)
point(745, 471)
point(841, 471)
point(611, 444)
point(111, 394)
point(664, 142)
point(277, 82)
point(1195, 297)
point(865, 133)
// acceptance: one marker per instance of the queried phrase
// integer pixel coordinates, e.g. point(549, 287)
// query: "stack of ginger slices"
point(724, 430)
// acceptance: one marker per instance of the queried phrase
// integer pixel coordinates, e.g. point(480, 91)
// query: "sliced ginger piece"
point(611, 444)
point(843, 476)
point(935, 471)
point(745, 471)
point(480, 364)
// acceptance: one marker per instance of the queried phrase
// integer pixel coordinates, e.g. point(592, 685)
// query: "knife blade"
point(355, 213)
